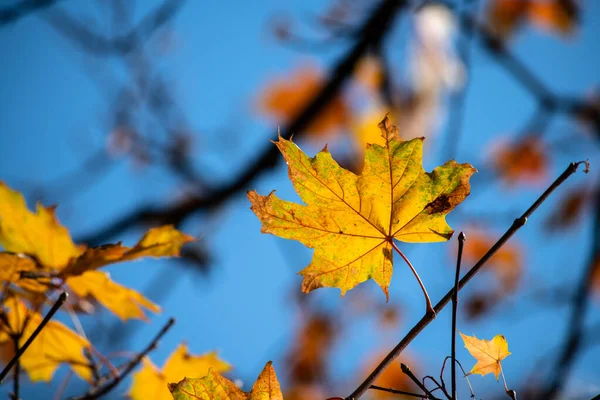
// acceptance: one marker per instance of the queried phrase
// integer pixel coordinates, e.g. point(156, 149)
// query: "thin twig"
point(96, 393)
point(465, 375)
point(413, 378)
point(428, 306)
point(461, 244)
point(426, 320)
point(395, 391)
point(440, 387)
point(20, 351)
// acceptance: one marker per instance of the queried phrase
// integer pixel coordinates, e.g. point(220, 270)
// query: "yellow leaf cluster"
point(39, 258)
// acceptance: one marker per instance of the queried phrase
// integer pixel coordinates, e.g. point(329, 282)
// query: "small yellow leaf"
point(488, 353)
point(39, 235)
point(151, 383)
point(55, 345)
point(164, 241)
point(351, 220)
point(125, 303)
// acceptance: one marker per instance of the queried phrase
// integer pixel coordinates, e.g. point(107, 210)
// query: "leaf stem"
point(428, 318)
point(510, 393)
point(20, 351)
point(428, 306)
point(461, 243)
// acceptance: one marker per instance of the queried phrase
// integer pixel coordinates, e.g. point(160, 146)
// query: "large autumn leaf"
point(152, 383)
point(55, 345)
point(215, 387)
point(351, 220)
point(488, 353)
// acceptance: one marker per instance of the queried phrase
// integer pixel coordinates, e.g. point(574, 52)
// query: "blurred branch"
point(98, 44)
point(574, 337)
point(457, 115)
point(14, 13)
point(370, 34)
point(544, 96)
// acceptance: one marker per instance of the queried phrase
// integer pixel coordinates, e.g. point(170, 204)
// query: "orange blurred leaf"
point(307, 358)
point(351, 220)
point(506, 16)
point(569, 208)
point(523, 161)
point(152, 383)
point(284, 99)
point(506, 263)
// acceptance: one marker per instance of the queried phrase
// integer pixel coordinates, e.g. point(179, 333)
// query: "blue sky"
point(53, 116)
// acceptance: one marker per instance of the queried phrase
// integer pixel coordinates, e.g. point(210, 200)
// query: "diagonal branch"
point(427, 319)
point(15, 12)
point(369, 35)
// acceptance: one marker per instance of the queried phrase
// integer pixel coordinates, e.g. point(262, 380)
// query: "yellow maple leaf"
point(351, 220)
point(215, 387)
point(36, 234)
point(125, 303)
point(55, 345)
point(164, 241)
point(488, 354)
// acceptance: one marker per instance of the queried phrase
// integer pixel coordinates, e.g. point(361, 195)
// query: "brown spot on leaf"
point(439, 205)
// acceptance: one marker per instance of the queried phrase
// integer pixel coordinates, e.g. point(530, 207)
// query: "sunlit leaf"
point(351, 220)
